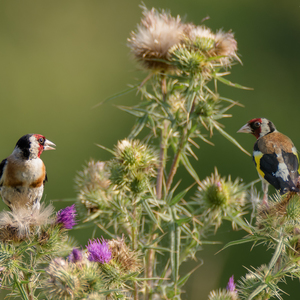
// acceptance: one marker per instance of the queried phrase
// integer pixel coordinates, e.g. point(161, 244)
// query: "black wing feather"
point(291, 160)
point(269, 166)
point(2, 165)
point(45, 179)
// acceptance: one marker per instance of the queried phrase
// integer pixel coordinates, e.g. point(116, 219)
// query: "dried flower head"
point(281, 214)
point(127, 260)
point(93, 185)
point(66, 217)
point(22, 223)
point(156, 34)
point(221, 45)
point(93, 176)
point(218, 196)
point(225, 45)
point(98, 251)
point(63, 280)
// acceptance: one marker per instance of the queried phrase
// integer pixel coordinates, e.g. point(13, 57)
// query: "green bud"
point(139, 184)
point(117, 173)
point(293, 209)
point(187, 60)
point(216, 195)
point(204, 43)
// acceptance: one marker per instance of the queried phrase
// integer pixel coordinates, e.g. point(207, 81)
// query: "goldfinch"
point(274, 155)
point(23, 173)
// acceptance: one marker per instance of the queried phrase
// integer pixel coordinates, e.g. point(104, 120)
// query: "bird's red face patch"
point(255, 120)
point(41, 141)
point(255, 125)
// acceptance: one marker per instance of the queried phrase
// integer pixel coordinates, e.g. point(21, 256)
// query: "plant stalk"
point(175, 248)
point(134, 235)
point(20, 288)
point(163, 143)
point(149, 267)
point(175, 162)
point(162, 160)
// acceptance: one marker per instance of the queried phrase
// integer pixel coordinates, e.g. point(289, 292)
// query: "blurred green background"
point(60, 58)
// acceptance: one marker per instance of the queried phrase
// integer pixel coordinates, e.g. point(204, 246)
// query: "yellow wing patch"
point(295, 152)
point(257, 155)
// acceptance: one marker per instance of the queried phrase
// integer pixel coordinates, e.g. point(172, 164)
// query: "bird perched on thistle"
point(23, 173)
point(275, 157)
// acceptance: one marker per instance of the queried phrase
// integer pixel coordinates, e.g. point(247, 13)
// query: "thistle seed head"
point(127, 259)
point(93, 176)
point(155, 35)
point(21, 224)
point(63, 281)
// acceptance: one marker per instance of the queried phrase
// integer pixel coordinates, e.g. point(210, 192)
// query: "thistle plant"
point(146, 223)
point(134, 194)
point(29, 239)
point(277, 227)
point(39, 261)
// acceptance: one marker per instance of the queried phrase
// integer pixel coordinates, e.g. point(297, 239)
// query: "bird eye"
point(41, 141)
point(256, 124)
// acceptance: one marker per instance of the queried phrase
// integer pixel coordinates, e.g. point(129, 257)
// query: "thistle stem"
point(21, 288)
point(30, 296)
point(163, 142)
point(175, 247)
point(134, 235)
point(160, 175)
point(175, 162)
point(150, 259)
point(162, 160)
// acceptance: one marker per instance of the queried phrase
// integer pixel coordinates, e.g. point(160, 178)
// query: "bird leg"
point(265, 186)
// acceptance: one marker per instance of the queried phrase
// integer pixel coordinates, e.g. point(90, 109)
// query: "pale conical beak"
point(48, 144)
point(245, 129)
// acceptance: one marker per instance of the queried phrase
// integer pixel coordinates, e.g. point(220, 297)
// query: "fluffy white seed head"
point(155, 35)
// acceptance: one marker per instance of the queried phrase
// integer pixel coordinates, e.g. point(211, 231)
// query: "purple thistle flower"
point(75, 256)
point(98, 251)
point(66, 217)
point(231, 285)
